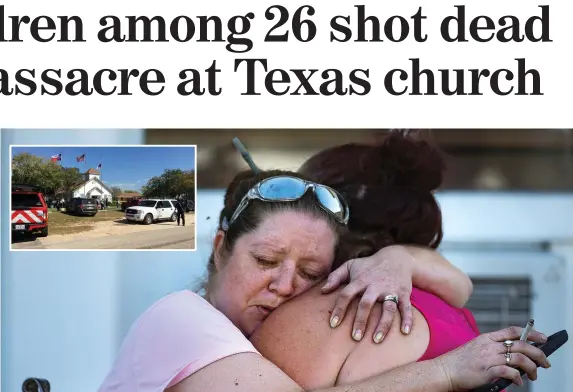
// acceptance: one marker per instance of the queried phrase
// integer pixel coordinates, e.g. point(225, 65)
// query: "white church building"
point(92, 187)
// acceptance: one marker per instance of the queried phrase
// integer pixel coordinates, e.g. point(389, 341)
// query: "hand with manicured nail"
point(483, 359)
point(388, 272)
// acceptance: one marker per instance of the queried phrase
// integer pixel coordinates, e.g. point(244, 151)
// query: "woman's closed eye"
point(305, 273)
point(312, 276)
point(265, 261)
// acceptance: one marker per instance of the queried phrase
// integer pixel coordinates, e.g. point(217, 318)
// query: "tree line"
point(55, 179)
point(172, 183)
point(49, 176)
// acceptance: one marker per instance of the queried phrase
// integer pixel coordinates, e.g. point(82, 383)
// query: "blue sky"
point(126, 167)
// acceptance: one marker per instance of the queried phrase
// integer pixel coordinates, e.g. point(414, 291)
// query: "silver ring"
point(508, 344)
point(393, 298)
point(507, 358)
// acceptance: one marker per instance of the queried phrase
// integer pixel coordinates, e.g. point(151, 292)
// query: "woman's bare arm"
point(435, 274)
point(250, 372)
point(469, 366)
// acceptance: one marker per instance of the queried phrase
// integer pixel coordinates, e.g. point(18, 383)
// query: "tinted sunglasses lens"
point(282, 188)
point(331, 201)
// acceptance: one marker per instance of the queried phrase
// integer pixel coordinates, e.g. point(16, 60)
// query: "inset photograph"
point(103, 197)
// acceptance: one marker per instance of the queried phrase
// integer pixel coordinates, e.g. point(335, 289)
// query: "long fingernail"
point(406, 330)
point(543, 337)
point(357, 335)
point(334, 322)
point(548, 363)
point(378, 337)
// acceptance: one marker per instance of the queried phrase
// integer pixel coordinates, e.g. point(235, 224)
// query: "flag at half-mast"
point(81, 158)
point(56, 158)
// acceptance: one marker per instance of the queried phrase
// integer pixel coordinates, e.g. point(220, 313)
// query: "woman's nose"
point(283, 281)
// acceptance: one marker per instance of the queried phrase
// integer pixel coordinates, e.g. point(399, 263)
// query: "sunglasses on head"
point(287, 189)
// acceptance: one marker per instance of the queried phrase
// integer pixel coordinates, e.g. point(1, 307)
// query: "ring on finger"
point(507, 358)
point(508, 344)
point(393, 298)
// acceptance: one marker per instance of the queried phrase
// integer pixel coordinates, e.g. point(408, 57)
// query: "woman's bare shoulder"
point(298, 339)
point(311, 309)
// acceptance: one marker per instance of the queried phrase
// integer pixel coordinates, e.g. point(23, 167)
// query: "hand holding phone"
point(553, 343)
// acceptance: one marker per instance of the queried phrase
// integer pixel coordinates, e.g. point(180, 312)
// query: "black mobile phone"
point(554, 342)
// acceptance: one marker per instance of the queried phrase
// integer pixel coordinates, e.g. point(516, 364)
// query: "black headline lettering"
point(286, 25)
point(298, 24)
point(280, 82)
point(180, 29)
point(191, 84)
point(79, 82)
point(42, 28)
point(341, 24)
point(483, 29)
point(453, 82)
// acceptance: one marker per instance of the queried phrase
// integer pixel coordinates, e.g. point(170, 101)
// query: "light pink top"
point(177, 336)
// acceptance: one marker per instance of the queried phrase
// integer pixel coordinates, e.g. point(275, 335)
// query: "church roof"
point(92, 171)
point(77, 187)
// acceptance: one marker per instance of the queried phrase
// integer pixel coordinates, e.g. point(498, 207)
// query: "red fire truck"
point(29, 211)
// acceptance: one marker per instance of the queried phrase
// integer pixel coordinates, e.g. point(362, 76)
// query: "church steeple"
point(92, 173)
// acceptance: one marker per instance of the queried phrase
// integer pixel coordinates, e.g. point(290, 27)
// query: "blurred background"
point(507, 201)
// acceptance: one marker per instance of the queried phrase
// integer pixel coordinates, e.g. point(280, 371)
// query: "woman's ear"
point(218, 248)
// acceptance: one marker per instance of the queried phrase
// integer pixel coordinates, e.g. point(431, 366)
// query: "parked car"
point(152, 210)
point(134, 201)
point(82, 206)
point(29, 211)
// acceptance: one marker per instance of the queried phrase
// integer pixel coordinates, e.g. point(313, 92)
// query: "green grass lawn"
point(63, 223)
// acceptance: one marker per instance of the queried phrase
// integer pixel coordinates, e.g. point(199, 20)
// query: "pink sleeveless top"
point(176, 337)
point(450, 327)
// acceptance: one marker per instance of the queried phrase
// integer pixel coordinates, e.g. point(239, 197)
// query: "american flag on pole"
point(81, 158)
point(99, 166)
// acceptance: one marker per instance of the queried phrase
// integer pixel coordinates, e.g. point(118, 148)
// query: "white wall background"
point(64, 313)
point(59, 309)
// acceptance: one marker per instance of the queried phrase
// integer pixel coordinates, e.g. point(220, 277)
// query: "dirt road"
point(120, 234)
